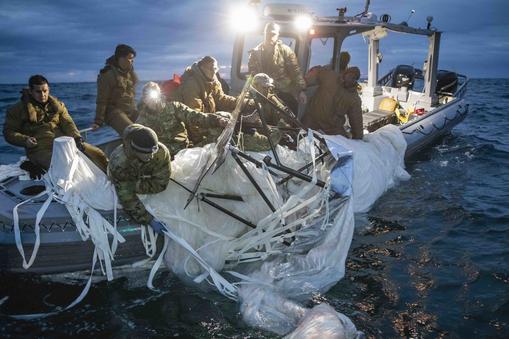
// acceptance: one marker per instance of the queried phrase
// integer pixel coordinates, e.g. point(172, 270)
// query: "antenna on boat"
point(366, 9)
point(412, 12)
point(405, 23)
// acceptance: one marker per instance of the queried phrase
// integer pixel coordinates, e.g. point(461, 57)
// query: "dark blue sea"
point(431, 259)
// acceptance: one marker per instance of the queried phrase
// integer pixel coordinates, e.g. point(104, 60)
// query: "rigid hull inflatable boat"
point(430, 111)
point(431, 101)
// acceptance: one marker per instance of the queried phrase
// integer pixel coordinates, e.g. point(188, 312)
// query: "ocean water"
point(431, 258)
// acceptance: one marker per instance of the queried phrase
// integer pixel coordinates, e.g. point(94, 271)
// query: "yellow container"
point(388, 104)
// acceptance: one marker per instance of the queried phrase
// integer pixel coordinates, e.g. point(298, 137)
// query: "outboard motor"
point(403, 76)
point(447, 81)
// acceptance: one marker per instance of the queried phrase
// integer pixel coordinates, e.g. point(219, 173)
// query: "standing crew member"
point(116, 84)
point(141, 165)
point(348, 104)
point(320, 110)
point(169, 119)
point(37, 119)
point(278, 61)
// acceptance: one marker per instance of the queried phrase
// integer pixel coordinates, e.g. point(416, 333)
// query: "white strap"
point(156, 266)
point(76, 301)
point(17, 233)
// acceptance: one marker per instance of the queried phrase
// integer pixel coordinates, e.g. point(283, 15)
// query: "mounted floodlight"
point(303, 22)
point(244, 19)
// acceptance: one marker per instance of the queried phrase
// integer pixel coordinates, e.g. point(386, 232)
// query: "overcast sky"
point(69, 40)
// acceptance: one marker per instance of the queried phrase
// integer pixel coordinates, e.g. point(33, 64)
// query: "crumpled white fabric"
point(84, 189)
point(323, 322)
point(11, 170)
point(379, 162)
point(271, 288)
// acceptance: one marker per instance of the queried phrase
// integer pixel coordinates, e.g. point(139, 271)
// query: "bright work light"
point(244, 19)
point(303, 23)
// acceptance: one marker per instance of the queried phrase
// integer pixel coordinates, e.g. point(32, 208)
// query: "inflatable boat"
point(423, 114)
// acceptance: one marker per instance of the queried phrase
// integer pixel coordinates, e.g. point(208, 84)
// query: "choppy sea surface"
point(431, 258)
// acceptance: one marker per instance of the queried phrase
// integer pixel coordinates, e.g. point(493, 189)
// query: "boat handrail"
point(463, 87)
point(460, 91)
point(84, 132)
point(385, 79)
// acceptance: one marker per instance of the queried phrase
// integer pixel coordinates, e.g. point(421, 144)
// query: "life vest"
point(169, 87)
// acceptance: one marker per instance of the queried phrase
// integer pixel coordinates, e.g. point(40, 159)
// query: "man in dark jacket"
point(321, 109)
point(200, 90)
point(116, 84)
point(37, 119)
point(348, 104)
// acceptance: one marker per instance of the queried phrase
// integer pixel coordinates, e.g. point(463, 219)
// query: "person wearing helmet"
point(116, 83)
point(141, 165)
point(250, 139)
point(265, 86)
point(278, 61)
point(200, 90)
point(348, 104)
point(169, 119)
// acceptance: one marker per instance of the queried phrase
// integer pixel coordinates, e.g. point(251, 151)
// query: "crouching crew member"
point(116, 84)
point(141, 165)
point(170, 118)
point(201, 91)
point(37, 119)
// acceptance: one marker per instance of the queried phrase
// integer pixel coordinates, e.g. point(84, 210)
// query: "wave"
point(9, 99)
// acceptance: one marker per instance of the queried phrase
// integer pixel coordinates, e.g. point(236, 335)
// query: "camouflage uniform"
point(115, 102)
point(170, 123)
point(45, 122)
point(132, 176)
point(320, 110)
point(347, 103)
point(280, 64)
point(272, 115)
point(202, 95)
point(256, 142)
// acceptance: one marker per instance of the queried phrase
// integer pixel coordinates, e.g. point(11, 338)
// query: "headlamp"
point(154, 94)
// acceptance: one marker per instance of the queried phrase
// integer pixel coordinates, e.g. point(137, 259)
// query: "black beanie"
point(144, 140)
point(123, 50)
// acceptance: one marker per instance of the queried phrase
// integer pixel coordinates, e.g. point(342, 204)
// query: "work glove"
point(35, 171)
point(157, 226)
point(79, 144)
